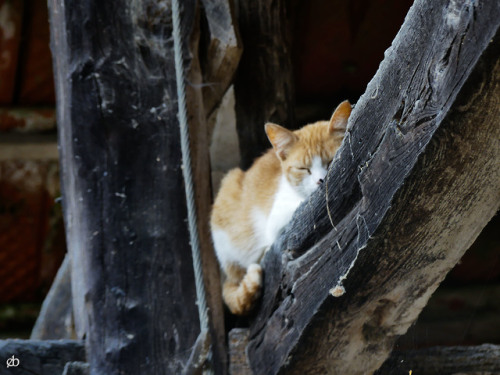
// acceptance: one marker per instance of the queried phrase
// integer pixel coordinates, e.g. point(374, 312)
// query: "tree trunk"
point(123, 196)
point(377, 239)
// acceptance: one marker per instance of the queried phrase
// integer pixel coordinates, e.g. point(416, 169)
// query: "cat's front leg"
point(241, 293)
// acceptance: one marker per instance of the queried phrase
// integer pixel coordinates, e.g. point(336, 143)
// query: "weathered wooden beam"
point(196, 98)
point(223, 51)
point(55, 320)
point(238, 361)
point(414, 182)
point(76, 368)
point(41, 357)
point(123, 196)
point(11, 25)
point(22, 120)
point(429, 361)
point(263, 85)
point(483, 359)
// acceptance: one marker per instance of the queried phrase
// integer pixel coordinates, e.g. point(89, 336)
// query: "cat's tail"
point(240, 295)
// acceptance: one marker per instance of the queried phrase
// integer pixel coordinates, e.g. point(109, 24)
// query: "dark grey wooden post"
point(123, 195)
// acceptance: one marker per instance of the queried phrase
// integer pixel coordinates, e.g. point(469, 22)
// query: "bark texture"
point(413, 184)
point(123, 196)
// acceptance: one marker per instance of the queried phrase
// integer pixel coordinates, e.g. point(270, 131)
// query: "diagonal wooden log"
point(360, 259)
point(55, 320)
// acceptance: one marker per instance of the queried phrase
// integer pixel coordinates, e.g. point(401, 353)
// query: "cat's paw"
point(241, 297)
point(253, 280)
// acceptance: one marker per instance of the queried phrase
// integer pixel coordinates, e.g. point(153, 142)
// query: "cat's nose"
point(320, 181)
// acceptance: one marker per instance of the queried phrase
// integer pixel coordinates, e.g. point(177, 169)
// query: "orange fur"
point(247, 198)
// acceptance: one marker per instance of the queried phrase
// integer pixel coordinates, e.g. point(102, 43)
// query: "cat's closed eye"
point(304, 169)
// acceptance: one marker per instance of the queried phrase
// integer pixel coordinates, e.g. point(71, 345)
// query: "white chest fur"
point(286, 201)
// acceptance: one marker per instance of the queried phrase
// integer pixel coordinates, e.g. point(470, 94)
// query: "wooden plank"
point(263, 85)
point(123, 195)
point(238, 362)
point(76, 368)
point(483, 359)
point(41, 357)
point(55, 320)
point(393, 227)
point(222, 52)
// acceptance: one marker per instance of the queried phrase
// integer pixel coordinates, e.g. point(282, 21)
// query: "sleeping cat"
point(252, 207)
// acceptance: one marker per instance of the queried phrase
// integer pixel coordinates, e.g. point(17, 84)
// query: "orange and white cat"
point(252, 207)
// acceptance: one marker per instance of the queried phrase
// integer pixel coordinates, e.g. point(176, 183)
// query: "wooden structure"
point(40, 357)
point(132, 273)
point(391, 228)
point(396, 212)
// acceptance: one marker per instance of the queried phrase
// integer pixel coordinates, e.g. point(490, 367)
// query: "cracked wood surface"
point(396, 226)
point(439, 360)
point(123, 197)
point(465, 360)
point(223, 51)
point(40, 357)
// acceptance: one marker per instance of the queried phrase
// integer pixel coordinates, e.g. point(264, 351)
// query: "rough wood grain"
point(123, 195)
point(76, 368)
point(200, 156)
point(41, 357)
point(393, 228)
point(55, 320)
point(483, 359)
point(238, 362)
point(263, 85)
point(222, 52)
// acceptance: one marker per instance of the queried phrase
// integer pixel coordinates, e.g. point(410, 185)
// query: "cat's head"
point(305, 154)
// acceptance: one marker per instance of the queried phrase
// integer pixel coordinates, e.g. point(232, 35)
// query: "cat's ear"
point(340, 116)
point(281, 139)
